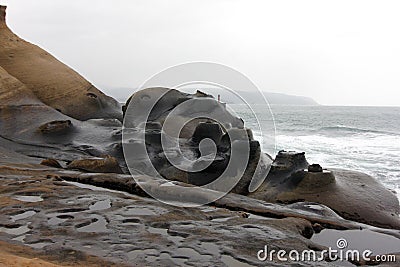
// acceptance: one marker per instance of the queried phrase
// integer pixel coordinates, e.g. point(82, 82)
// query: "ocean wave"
point(343, 128)
point(378, 158)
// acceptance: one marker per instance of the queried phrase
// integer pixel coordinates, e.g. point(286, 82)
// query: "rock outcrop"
point(51, 81)
point(51, 144)
point(353, 195)
point(106, 164)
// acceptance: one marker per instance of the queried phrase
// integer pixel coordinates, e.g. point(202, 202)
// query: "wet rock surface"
point(211, 147)
point(133, 230)
point(52, 210)
point(60, 137)
point(50, 215)
point(106, 164)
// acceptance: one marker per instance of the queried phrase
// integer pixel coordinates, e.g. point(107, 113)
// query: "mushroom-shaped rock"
point(289, 162)
point(185, 111)
point(352, 195)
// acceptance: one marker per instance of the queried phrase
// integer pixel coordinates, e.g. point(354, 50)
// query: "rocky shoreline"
point(70, 196)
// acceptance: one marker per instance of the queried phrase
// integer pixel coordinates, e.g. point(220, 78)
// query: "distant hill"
point(272, 98)
point(121, 94)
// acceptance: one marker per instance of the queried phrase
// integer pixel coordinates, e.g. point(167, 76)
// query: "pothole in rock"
point(70, 210)
point(97, 224)
point(133, 221)
point(31, 199)
point(23, 215)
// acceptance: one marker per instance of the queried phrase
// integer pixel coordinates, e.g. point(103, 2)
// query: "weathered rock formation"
point(106, 164)
point(353, 195)
point(48, 136)
point(51, 81)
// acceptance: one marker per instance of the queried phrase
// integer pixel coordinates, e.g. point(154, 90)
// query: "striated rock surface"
point(51, 81)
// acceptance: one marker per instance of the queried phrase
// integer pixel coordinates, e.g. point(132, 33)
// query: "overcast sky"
point(338, 52)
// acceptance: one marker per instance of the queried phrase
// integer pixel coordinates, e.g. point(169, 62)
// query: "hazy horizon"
point(338, 53)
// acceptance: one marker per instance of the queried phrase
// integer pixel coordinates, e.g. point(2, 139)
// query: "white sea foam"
point(365, 139)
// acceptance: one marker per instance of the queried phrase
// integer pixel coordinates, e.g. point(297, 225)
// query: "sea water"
point(365, 139)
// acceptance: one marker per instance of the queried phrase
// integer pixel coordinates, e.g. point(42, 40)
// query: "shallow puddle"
point(314, 207)
point(15, 231)
point(20, 238)
point(222, 219)
point(139, 211)
point(97, 188)
point(56, 220)
point(98, 226)
point(100, 205)
point(31, 199)
point(208, 209)
point(23, 215)
point(40, 245)
point(360, 240)
point(258, 217)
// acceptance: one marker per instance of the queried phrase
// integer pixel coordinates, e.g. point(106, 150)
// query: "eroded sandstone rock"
point(107, 164)
point(291, 179)
point(51, 81)
point(56, 127)
point(51, 163)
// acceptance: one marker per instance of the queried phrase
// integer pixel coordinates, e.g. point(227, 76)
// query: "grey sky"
point(338, 52)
